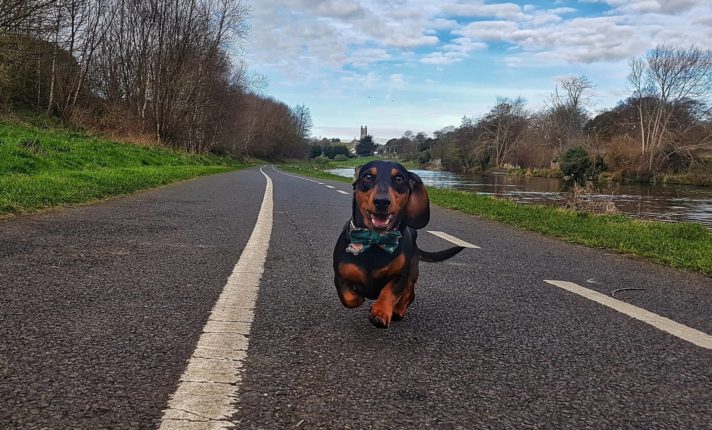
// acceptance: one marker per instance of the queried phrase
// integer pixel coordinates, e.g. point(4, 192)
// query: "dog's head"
point(386, 195)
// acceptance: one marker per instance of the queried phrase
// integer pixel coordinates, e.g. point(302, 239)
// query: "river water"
point(656, 201)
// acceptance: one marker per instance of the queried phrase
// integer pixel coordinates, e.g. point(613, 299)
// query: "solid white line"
point(342, 192)
point(207, 393)
point(453, 239)
point(667, 325)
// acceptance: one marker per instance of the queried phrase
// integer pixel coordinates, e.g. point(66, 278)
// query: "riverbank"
point(680, 245)
point(700, 176)
point(46, 165)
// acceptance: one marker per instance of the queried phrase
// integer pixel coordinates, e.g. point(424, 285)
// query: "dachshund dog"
point(376, 256)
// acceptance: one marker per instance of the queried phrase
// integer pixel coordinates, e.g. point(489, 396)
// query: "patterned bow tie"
point(363, 238)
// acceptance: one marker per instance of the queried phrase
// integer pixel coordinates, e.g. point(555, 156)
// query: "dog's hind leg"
point(347, 275)
point(349, 298)
point(408, 295)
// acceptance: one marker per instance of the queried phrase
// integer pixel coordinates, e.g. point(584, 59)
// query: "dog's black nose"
point(381, 202)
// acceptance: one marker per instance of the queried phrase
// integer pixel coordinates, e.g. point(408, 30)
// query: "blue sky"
point(421, 65)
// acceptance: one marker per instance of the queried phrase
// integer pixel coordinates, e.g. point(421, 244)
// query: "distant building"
point(364, 131)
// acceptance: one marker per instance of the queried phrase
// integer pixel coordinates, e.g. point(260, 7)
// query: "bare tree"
point(663, 83)
point(566, 114)
point(14, 14)
point(503, 127)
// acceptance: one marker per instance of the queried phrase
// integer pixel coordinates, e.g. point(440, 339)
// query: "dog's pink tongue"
point(379, 221)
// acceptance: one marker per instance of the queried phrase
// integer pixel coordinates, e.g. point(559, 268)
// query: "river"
point(653, 201)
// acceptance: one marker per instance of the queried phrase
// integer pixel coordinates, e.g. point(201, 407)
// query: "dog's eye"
point(399, 179)
point(368, 177)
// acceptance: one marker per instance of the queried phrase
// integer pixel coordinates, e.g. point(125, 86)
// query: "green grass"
point(680, 245)
point(46, 165)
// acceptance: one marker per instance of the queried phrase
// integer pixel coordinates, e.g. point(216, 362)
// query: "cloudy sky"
point(421, 65)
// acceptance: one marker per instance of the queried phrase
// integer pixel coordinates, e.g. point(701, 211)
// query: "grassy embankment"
point(680, 245)
point(46, 165)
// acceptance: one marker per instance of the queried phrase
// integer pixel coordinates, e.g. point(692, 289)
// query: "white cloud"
point(453, 52)
point(366, 56)
point(655, 6)
point(489, 30)
point(308, 37)
point(480, 9)
point(561, 10)
point(444, 24)
point(339, 10)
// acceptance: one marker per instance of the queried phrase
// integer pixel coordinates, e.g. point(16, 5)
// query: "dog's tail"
point(435, 257)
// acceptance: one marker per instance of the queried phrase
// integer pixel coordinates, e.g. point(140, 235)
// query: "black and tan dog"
point(376, 256)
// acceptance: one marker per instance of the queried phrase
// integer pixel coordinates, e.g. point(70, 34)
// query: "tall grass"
point(48, 165)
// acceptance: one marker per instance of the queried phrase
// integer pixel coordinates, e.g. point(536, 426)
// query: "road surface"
point(207, 297)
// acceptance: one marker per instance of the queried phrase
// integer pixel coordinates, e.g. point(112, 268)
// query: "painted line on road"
point(295, 176)
point(206, 396)
point(310, 180)
point(453, 239)
point(661, 323)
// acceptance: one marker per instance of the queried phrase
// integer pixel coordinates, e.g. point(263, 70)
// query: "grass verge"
point(48, 166)
point(680, 245)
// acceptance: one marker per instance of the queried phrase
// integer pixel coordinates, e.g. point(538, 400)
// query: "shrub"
point(340, 157)
point(315, 151)
point(424, 157)
point(575, 163)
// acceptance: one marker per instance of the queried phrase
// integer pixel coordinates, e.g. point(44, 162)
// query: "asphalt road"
point(102, 306)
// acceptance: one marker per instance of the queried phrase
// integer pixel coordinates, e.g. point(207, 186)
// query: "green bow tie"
point(363, 238)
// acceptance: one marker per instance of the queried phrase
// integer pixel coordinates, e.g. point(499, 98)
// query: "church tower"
point(364, 131)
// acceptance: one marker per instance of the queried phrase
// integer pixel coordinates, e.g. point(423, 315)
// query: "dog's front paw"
point(379, 319)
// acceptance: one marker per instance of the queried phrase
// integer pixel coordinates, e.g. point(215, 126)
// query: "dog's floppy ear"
point(357, 170)
point(417, 210)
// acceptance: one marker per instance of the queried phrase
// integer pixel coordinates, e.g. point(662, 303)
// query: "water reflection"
point(662, 202)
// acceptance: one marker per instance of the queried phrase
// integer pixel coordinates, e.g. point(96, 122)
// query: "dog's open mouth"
point(380, 221)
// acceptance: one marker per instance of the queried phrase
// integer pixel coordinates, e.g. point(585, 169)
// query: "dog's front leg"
point(382, 309)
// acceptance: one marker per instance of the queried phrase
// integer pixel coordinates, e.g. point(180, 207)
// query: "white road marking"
point(453, 239)
point(661, 323)
point(206, 396)
point(295, 176)
point(310, 180)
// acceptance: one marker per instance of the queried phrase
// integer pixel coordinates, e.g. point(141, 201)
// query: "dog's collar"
point(363, 238)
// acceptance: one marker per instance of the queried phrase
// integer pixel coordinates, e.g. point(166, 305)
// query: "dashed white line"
point(453, 239)
point(207, 393)
point(295, 176)
point(311, 180)
point(661, 323)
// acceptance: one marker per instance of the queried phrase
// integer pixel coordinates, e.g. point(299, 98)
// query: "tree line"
point(664, 125)
point(166, 71)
